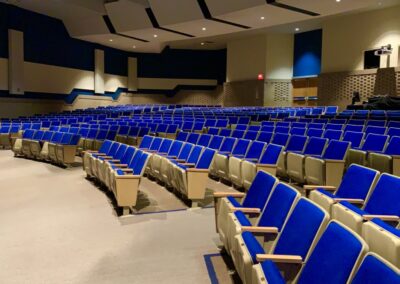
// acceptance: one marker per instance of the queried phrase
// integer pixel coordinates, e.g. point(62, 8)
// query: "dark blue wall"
point(47, 41)
point(307, 53)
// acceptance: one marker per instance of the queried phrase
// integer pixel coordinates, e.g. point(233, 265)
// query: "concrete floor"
point(57, 227)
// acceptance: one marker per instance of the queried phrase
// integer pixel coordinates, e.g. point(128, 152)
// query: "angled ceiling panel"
point(170, 12)
point(86, 26)
point(212, 28)
point(220, 7)
point(148, 34)
point(127, 16)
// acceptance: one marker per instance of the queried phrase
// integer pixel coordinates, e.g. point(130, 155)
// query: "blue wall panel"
point(307, 53)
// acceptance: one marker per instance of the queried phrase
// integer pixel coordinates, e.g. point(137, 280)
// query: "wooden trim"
point(254, 229)
point(280, 258)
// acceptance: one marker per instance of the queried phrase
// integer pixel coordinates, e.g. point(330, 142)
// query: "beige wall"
point(3, 74)
point(11, 107)
point(246, 58)
point(279, 56)
point(347, 37)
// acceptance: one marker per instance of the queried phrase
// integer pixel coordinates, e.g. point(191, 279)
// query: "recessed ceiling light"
point(134, 46)
point(155, 35)
point(202, 43)
point(262, 18)
point(110, 40)
point(297, 29)
point(203, 28)
point(338, 1)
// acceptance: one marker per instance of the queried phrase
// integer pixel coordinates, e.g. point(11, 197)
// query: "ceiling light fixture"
point(155, 35)
point(134, 46)
point(297, 29)
point(203, 28)
point(338, 1)
point(262, 18)
point(110, 40)
point(202, 43)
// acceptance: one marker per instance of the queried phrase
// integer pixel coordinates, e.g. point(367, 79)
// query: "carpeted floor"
point(57, 227)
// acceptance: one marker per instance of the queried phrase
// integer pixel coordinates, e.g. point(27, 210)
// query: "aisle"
point(56, 227)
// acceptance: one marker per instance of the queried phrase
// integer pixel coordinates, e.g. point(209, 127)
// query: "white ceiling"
point(135, 31)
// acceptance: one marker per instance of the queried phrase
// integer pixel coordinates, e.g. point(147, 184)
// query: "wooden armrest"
point(224, 153)
point(172, 157)
point(254, 229)
point(334, 161)
point(121, 165)
point(280, 258)
point(266, 165)
point(246, 210)
point(197, 170)
point(107, 157)
point(90, 151)
point(151, 151)
point(179, 160)
point(251, 159)
point(238, 156)
point(114, 161)
point(351, 200)
point(227, 194)
point(128, 176)
point(188, 164)
point(393, 218)
point(101, 154)
point(127, 170)
point(313, 187)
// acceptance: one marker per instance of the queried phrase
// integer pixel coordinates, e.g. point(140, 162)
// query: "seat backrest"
point(316, 125)
point(156, 143)
point(186, 149)
point(146, 142)
point(193, 138)
point(254, 128)
point(47, 135)
point(113, 149)
point(121, 151)
point(278, 206)
point(182, 136)
point(216, 142)
point(143, 131)
point(393, 147)
point(105, 147)
point(250, 134)
point(38, 135)
point(187, 126)
point(357, 182)
point(375, 130)
point(204, 140)
point(375, 269)
point(241, 147)
point(56, 138)
point(92, 133)
point(296, 143)
point(227, 144)
point(336, 150)
point(265, 136)
point(333, 126)
point(353, 128)
point(355, 138)
point(213, 130)
point(268, 128)
point(314, 132)
point(298, 131)
point(333, 134)
point(393, 131)
point(307, 220)
point(133, 131)
point(194, 154)
point(66, 139)
point(280, 139)
point(315, 146)
point(102, 134)
point(205, 159)
point(271, 154)
point(260, 190)
point(282, 129)
point(237, 133)
point(375, 143)
point(384, 199)
point(222, 123)
point(198, 125)
point(255, 150)
point(140, 166)
point(334, 257)
point(225, 132)
point(175, 148)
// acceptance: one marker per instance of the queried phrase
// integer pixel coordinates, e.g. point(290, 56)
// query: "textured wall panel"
point(337, 88)
point(244, 93)
point(278, 93)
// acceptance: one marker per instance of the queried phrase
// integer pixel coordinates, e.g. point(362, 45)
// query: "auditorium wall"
point(59, 70)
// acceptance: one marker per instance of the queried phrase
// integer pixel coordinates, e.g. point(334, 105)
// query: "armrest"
point(114, 161)
point(251, 159)
point(121, 165)
point(350, 200)
point(334, 161)
point(90, 151)
point(127, 170)
point(254, 229)
point(107, 157)
point(237, 156)
point(229, 194)
point(197, 170)
point(265, 165)
point(280, 258)
point(172, 157)
point(313, 187)
point(392, 218)
point(101, 154)
point(246, 210)
point(128, 176)
point(224, 152)
point(188, 164)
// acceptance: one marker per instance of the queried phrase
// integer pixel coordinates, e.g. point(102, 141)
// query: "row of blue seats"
point(276, 236)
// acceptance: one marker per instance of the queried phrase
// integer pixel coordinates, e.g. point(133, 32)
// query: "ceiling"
point(150, 25)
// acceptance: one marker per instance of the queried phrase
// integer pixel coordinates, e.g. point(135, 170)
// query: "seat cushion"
point(271, 273)
point(353, 208)
point(234, 202)
point(241, 217)
point(253, 246)
point(325, 192)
